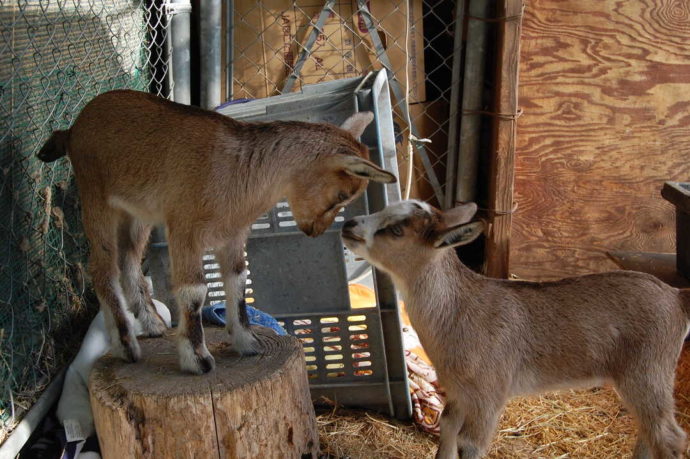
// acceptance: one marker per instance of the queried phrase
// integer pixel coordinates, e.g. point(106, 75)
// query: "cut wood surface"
point(605, 93)
point(248, 407)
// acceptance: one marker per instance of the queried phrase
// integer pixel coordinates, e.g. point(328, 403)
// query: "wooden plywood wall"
point(605, 89)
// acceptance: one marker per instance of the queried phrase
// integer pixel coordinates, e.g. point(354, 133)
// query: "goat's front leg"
point(190, 290)
point(234, 270)
point(451, 421)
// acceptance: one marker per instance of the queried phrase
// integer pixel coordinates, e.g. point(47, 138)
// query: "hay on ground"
point(588, 423)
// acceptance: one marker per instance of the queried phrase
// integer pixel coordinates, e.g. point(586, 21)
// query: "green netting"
point(54, 57)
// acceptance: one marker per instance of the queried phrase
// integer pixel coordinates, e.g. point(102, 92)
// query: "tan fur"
point(492, 339)
point(140, 160)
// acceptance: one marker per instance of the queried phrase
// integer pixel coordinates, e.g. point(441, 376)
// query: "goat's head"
point(409, 230)
point(335, 178)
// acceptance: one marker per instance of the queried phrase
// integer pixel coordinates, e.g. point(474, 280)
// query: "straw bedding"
point(569, 424)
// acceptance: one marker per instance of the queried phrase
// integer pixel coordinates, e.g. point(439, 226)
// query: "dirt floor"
point(569, 424)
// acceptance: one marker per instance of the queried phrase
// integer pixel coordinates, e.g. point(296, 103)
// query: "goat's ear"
point(360, 167)
point(357, 123)
point(459, 235)
point(459, 215)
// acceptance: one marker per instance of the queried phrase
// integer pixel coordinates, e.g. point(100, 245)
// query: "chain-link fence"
point(278, 45)
point(54, 57)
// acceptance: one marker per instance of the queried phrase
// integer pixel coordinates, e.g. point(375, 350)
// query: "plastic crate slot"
point(329, 320)
point(312, 367)
point(215, 285)
point(249, 300)
point(211, 266)
point(208, 257)
point(339, 219)
point(301, 322)
point(333, 357)
point(302, 331)
point(261, 226)
point(356, 318)
point(283, 205)
point(307, 340)
point(286, 214)
point(312, 375)
point(330, 329)
point(214, 275)
point(359, 327)
point(212, 302)
point(215, 294)
point(333, 348)
point(335, 374)
point(331, 339)
point(361, 355)
point(308, 350)
point(248, 291)
point(335, 366)
point(363, 372)
point(361, 364)
point(358, 346)
point(309, 358)
point(360, 337)
point(287, 223)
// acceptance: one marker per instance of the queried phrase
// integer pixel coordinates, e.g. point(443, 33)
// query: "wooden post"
point(502, 168)
point(248, 407)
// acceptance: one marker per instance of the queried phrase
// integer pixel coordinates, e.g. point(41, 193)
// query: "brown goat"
point(491, 339)
point(141, 160)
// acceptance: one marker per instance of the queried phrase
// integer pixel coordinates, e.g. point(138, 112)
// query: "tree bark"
point(248, 407)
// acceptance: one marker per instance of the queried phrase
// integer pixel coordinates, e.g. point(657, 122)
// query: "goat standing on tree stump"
point(491, 339)
point(140, 160)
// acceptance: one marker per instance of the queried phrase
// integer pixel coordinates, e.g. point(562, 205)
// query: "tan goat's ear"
point(459, 235)
point(459, 215)
point(360, 167)
point(357, 123)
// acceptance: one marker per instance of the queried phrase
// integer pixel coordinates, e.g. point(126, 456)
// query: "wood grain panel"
point(605, 89)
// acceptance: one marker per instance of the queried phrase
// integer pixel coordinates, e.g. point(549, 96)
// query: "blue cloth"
point(215, 315)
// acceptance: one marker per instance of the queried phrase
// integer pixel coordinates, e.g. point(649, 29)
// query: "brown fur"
point(140, 160)
point(491, 339)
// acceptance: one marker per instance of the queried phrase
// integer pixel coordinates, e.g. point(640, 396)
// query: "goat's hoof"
point(244, 342)
point(152, 325)
point(129, 350)
point(198, 363)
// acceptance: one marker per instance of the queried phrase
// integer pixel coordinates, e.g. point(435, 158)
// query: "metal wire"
point(271, 45)
point(54, 57)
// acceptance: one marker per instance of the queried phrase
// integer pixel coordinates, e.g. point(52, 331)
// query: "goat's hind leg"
point(132, 238)
point(100, 223)
point(234, 270)
point(650, 396)
point(479, 426)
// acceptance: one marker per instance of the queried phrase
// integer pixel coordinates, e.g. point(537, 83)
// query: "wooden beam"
point(502, 161)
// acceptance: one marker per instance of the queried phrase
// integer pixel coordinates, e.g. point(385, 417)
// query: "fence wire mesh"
point(55, 57)
point(415, 36)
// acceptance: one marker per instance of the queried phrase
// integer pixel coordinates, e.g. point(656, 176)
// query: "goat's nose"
point(350, 223)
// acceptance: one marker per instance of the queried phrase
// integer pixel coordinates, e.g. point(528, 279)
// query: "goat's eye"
point(396, 230)
point(342, 197)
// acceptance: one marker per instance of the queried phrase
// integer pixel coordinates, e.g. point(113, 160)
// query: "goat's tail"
point(55, 147)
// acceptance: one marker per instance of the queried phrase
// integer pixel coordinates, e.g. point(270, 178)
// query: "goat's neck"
point(433, 290)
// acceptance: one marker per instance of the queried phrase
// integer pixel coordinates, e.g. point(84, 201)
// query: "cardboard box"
point(269, 35)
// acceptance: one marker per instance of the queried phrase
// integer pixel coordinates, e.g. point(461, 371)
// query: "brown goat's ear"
point(360, 167)
point(357, 123)
point(459, 215)
point(459, 235)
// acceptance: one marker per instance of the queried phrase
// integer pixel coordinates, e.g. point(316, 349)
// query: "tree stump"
point(249, 407)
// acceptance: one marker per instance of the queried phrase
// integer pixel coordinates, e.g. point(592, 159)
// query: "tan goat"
point(492, 339)
point(141, 160)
